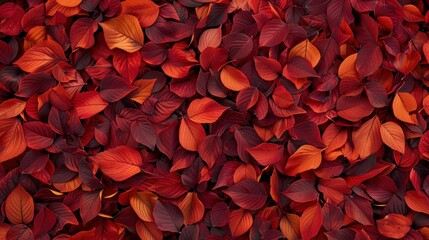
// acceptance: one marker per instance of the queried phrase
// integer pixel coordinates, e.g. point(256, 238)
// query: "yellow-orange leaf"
point(190, 134)
point(123, 32)
point(240, 221)
point(192, 208)
point(289, 225)
point(205, 110)
point(305, 158)
point(347, 67)
point(393, 136)
point(306, 50)
point(233, 79)
point(42, 57)
point(367, 139)
point(143, 91)
point(148, 230)
point(403, 104)
point(143, 204)
point(19, 206)
point(12, 141)
point(69, 3)
point(11, 108)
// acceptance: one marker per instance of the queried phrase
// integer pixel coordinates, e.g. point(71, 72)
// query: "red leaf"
point(42, 57)
point(267, 68)
point(273, 33)
point(369, 60)
point(11, 15)
point(167, 217)
point(359, 209)
point(205, 110)
point(82, 33)
point(311, 222)
point(38, 135)
point(190, 134)
point(178, 63)
point(406, 62)
point(240, 221)
point(119, 163)
point(239, 45)
point(248, 194)
point(219, 215)
point(211, 150)
point(127, 64)
point(146, 11)
point(44, 221)
point(113, 89)
point(90, 205)
point(302, 191)
point(267, 153)
point(394, 226)
point(12, 140)
point(87, 104)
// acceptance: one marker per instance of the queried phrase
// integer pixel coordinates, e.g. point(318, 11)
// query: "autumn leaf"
point(307, 50)
point(19, 206)
point(233, 79)
point(393, 136)
point(305, 158)
point(367, 138)
point(403, 106)
point(123, 32)
point(205, 110)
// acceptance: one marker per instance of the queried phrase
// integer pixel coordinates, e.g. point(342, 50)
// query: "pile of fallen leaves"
point(201, 119)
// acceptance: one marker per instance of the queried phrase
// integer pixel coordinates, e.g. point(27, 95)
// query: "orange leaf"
point(394, 226)
point(406, 62)
point(243, 172)
point(87, 104)
point(148, 230)
point(12, 141)
point(11, 108)
point(367, 138)
point(143, 91)
point(289, 225)
point(310, 222)
point(403, 104)
point(233, 79)
point(205, 110)
point(417, 202)
point(393, 136)
point(306, 50)
point(119, 163)
point(143, 204)
point(19, 206)
point(42, 57)
point(190, 134)
point(123, 32)
point(146, 11)
point(267, 153)
point(305, 158)
point(69, 3)
point(240, 221)
point(192, 208)
point(347, 67)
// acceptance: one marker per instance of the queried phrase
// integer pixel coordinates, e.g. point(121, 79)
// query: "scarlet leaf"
point(87, 104)
point(211, 150)
point(267, 68)
point(127, 64)
point(305, 158)
point(205, 110)
point(178, 63)
point(82, 33)
point(190, 134)
point(146, 11)
point(42, 57)
point(310, 222)
point(38, 135)
point(12, 141)
point(11, 108)
point(369, 59)
point(394, 226)
point(19, 206)
point(302, 191)
point(210, 38)
point(273, 33)
point(123, 32)
point(406, 62)
point(248, 194)
point(114, 88)
point(240, 221)
point(119, 163)
point(267, 153)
